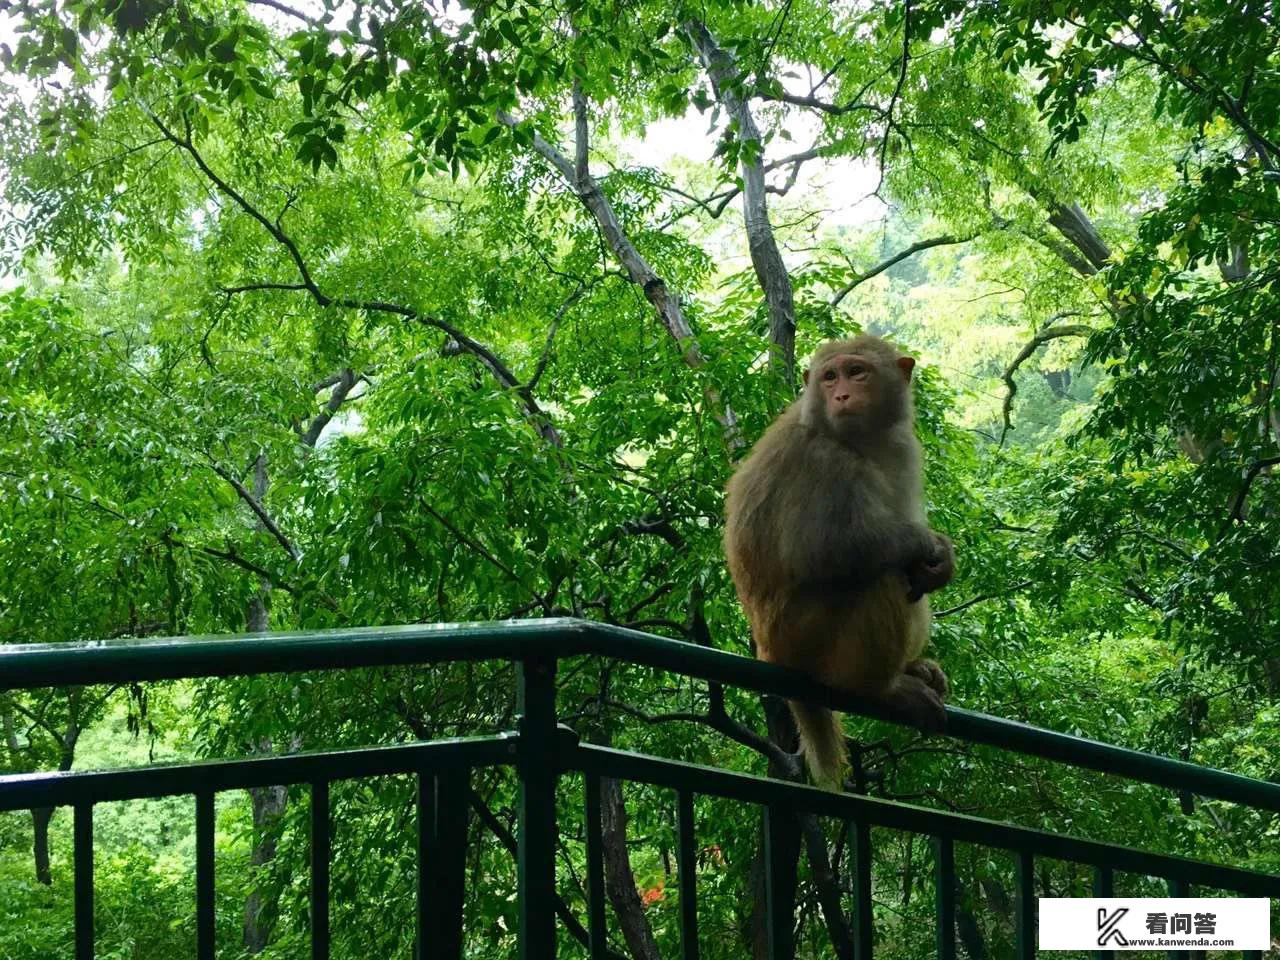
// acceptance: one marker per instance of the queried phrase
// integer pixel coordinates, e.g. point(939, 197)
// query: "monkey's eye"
point(857, 370)
point(829, 375)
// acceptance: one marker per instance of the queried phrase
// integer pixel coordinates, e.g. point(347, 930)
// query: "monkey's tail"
point(822, 743)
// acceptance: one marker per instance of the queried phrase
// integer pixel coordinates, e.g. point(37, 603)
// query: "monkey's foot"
point(917, 703)
point(930, 673)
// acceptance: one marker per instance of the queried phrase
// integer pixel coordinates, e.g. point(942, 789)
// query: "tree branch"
point(1238, 503)
point(637, 268)
point(551, 335)
point(231, 556)
point(725, 197)
point(508, 841)
point(347, 380)
point(1064, 252)
point(272, 228)
point(256, 506)
point(832, 109)
point(499, 369)
point(766, 259)
point(287, 11)
point(897, 258)
point(250, 287)
point(1039, 340)
point(824, 879)
point(949, 611)
point(1074, 224)
point(474, 544)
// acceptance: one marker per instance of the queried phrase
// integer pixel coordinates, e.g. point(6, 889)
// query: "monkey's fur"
point(828, 546)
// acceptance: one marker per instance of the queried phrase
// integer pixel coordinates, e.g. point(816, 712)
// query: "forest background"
point(392, 312)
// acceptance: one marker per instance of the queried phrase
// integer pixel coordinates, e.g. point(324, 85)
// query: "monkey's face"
point(859, 391)
point(847, 384)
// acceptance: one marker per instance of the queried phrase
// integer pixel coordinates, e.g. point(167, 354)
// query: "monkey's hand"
point(914, 701)
point(932, 572)
point(931, 674)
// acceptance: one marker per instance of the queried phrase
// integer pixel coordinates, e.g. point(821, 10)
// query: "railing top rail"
point(27, 666)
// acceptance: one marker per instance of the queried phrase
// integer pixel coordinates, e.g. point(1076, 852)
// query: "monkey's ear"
point(906, 365)
point(806, 376)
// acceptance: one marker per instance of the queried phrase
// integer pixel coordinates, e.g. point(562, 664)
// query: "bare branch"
point(766, 258)
point(889, 125)
point(471, 542)
point(115, 157)
point(1074, 224)
point(346, 383)
point(287, 11)
point(272, 228)
point(230, 555)
point(1064, 252)
point(551, 335)
point(249, 287)
point(897, 258)
point(1039, 340)
point(256, 506)
point(638, 269)
point(722, 199)
point(814, 103)
point(582, 143)
point(854, 103)
point(508, 841)
point(950, 611)
point(658, 526)
point(1238, 503)
point(499, 369)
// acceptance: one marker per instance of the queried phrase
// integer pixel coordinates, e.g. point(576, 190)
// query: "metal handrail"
point(26, 666)
point(541, 751)
point(66, 788)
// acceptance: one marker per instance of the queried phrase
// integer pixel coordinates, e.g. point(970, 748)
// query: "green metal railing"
point(541, 750)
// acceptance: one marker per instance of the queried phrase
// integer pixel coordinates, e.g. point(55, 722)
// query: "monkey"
point(828, 548)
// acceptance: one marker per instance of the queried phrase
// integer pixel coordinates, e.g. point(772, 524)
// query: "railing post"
point(1104, 885)
point(779, 886)
point(443, 816)
point(595, 869)
point(944, 879)
point(1180, 888)
point(83, 852)
point(863, 924)
point(205, 930)
point(687, 866)
point(536, 849)
point(320, 848)
point(1025, 912)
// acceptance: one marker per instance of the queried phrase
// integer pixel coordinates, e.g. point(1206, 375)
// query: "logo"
point(1175, 924)
point(1108, 928)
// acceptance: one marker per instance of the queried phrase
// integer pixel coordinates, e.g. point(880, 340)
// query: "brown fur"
point(826, 538)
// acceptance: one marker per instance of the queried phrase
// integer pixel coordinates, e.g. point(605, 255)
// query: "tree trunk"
point(262, 905)
point(1074, 224)
point(637, 269)
point(824, 880)
point(619, 881)
point(40, 818)
point(975, 945)
point(766, 258)
point(782, 731)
